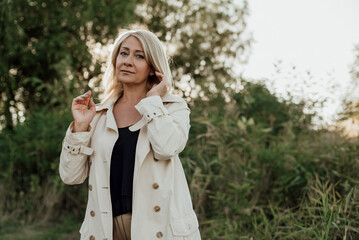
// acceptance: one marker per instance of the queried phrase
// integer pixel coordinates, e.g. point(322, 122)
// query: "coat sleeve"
point(75, 151)
point(167, 129)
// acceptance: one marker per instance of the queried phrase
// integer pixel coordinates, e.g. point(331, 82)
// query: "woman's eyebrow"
point(126, 48)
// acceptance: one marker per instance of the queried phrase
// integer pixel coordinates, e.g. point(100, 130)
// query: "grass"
point(67, 229)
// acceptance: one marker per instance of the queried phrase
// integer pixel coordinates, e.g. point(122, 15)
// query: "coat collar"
point(142, 138)
point(111, 123)
point(109, 104)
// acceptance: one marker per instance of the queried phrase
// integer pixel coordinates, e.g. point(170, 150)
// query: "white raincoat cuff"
point(151, 107)
point(76, 143)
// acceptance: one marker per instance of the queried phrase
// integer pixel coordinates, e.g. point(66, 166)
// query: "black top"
point(121, 172)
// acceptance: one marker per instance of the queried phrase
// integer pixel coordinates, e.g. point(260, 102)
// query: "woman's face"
point(131, 65)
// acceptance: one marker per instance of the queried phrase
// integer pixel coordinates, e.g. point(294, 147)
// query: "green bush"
point(257, 169)
point(29, 160)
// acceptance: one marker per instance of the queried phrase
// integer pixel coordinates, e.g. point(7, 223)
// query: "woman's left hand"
point(159, 89)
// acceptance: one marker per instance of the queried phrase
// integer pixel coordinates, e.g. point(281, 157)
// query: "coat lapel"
point(143, 146)
point(110, 120)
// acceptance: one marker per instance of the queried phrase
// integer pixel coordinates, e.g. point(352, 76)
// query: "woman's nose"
point(128, 61)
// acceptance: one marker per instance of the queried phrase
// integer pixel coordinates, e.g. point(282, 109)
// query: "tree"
point(44, 53)
point(351, 102)
point(355, 67)
point(204, 38)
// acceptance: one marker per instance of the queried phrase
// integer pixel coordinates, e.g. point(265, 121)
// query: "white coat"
point(162, 206)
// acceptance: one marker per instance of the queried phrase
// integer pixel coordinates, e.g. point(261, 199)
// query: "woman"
point(128, 146)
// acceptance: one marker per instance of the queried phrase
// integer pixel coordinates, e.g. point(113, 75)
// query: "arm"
point(167, 129)
point(74, 166)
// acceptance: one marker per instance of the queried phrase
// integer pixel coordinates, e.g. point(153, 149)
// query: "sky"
point(316, 36)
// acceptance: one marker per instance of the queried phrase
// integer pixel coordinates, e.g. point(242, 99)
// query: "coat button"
point(92, 213)
point(92, 237)
point(155, 186)
point(90, 187)
point(157, 208)
point(159, 235)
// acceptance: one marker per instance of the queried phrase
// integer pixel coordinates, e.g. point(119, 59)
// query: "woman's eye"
point(140, 56)
point(123, 53)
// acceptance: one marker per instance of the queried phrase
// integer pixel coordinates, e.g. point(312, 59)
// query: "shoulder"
point(174, 102)
point(172, 98)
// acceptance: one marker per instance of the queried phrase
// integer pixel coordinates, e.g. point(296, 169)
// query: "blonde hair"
point(154, 54)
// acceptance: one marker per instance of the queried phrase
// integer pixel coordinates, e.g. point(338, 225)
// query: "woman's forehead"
point(132, 43)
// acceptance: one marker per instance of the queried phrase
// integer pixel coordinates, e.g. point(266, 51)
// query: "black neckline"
point(125, 127)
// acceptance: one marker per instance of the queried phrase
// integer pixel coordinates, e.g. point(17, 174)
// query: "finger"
point(160, 75)
point(81, 97)
point(164, 81)
point(162, 84)
point(79, 100)
point(86, 95)
point(92, 104)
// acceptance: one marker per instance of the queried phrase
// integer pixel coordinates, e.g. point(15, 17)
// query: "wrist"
point(78, 127)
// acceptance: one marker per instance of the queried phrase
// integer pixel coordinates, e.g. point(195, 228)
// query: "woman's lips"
point(125, 71)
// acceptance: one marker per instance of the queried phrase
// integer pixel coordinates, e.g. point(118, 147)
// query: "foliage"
point(256, 167)
point(204, 39)
point(29, 167)
point(351, 102)
point(355, 67)
point(250, 175)
point(66, 228)
point(44, 57)
point(253, 176)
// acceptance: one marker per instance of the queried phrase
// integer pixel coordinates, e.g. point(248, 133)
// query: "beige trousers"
point(122, 227)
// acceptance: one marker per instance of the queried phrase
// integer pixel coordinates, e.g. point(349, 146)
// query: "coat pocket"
point(186, 227)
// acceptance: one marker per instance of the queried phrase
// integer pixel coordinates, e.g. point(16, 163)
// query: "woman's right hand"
point(80, 112)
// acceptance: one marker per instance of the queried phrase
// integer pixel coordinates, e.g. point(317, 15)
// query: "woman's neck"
point(132, 94)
